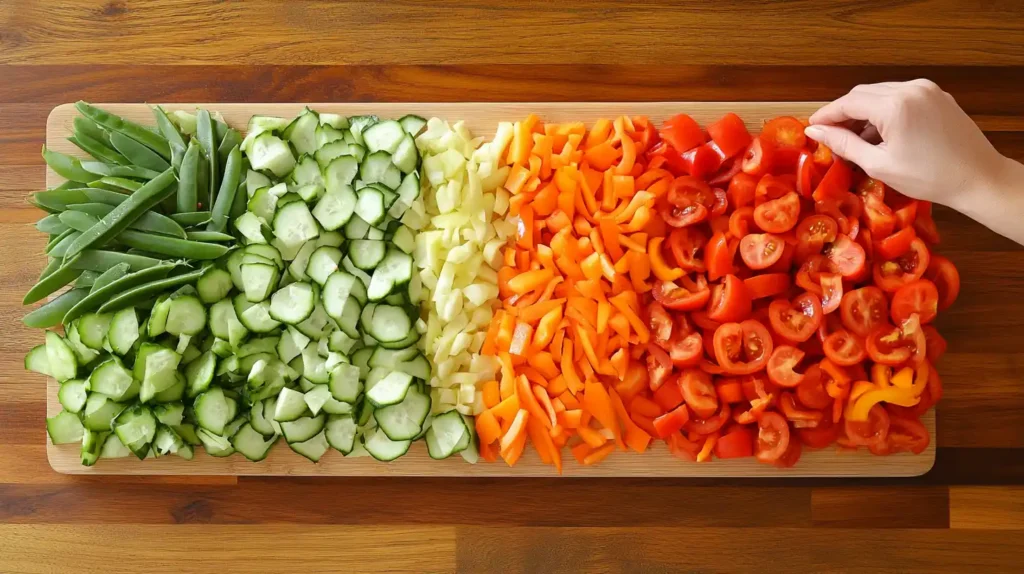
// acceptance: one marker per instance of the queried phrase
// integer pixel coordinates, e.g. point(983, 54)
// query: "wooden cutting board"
point(481, 119)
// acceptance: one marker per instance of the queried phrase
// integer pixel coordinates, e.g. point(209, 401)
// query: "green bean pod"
point(66, 166)
point(108, 170)
point(192, 218)
point(60, 249)
point(153, 140)
point(172, 246)
point(119, 184)
point(226, 193)
point(148, 290)
point(67, 273)
point(137, 153)
point(86, 279)
point(150, 221)
point(188, 179)
point(85, 126)
point(97, 149)
point(99, 295)
point(51, 224)
point(208, 143)
point(100, 260)
point(174, 139)
point(128, 211)
point(215, 236)
point(228, 143)
point(54, 240)
point(111, 198)
point(59, 199)
point(52, 313)
point(52, 264)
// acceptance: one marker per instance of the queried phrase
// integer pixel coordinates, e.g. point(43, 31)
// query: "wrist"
point(987, 189)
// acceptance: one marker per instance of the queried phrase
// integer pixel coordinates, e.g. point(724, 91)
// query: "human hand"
point(917, 140)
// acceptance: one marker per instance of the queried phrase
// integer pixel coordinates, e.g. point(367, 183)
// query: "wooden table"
point(967, 514)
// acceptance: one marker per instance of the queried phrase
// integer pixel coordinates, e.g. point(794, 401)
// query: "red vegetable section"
point(788, 308)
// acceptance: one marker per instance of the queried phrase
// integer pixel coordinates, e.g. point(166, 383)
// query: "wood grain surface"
point(964, 515)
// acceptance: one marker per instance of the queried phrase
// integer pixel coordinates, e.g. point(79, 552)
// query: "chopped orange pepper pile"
point(571, 329)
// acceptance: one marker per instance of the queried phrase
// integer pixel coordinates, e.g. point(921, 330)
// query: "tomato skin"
point(766, 284)
point(702, 160)
point(844, 348)
point(924, 225)
point(778, 215)
point(944, 274)
point(878, 217)
point(659, 367)
point(685, 243)
point(836, 180)
point(781, 366)
point(906, 434)
point(718, 257)
point(759, 157)
point(748, 340)
point(689, 202)
point(737, 443)
point(686, 349)
point(659, 322)
point(822, 156)
point(921, 297)
point(897, 345)
point(772, 187)
point(682, 298)
point(711, 424)
point(741, 191)
point(741, 221)
point(806, 173)
point(668, 396)
point(730, 301)
point(699, 393)
point(672, 421)
point(772, 437)
point(890, 275)
point(797, 320)
point(831, 291)
point(730, 168)
point(761, 250)
point(846, 256)
point(896, 244)
point(864, 310)
point(682, 132)
point(785, 132)
point(871, 432)
point(811, 392)
point(820, 436)
point(730, 134)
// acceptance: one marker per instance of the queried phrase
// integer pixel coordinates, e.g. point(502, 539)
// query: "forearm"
point(997, 200)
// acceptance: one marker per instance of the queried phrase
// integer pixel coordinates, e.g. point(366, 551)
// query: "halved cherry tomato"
point(935, 344)
point(761, 250)
point(659, 366)
point(820, 436)
point(782, 365)
point(682, 132)
point(772, 187)
point(660, 323)
point(844, 348)
point(702, 160)
point(797, 320)
point(720, 204)
point(730, 134)
point(759, 157)
point(685, 349)
point(711, 424)
point(742, 348)
point(772, 437)
point(778, 215)
point(822, 156)
point(672, 421)
point(686, 296)
point(701, 320)
point(799, 417)
point(847, 257)
point(698, 392)
point(730, 301)
point(814, 232)
point(831, 291)
point(741, 221)
point(791, 456)
point(873, 431)
point(811, 392)
point(737, 443)
point(685, 243)
point(766, 284)
point(864, 310)
point(689, 201)
point(896, 244)
point(905, 435)
point(906, 214)
point(742, 190)
point(730, 168)
point(806, 174)
point(892, 274)
point(925, 225)
point(896, 345)
point(870, 187)
point(921, 297)
point(836, 181)
point(943, 273)
point(785, 132)
point(809, 274)
point(718, 257)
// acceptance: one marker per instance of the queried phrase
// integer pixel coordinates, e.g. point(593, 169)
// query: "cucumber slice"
point(199, 373)
point(136, 428)
point(92, 443)
point(256, 317)
point(186, 316)
point(390, 390)
point(404, 239)
point(306, 172)
point(214, 285)
point(112, 448)
point(301, 133)
point(356, 228)
point(405, 156)
point(341, 287)
point(316, 325)
point(370, 205)
point(293, 304)
point(170, 414)
point(72, 395)
point(215, 444)
point(213, 410)
point(294, 224)
point(123, 331)
point(37, 360)
point(402, 421)
point(412, 124)
point(251, 443)
point(316, 398)
point(303, 429)
point(383, 448)
point(290, 406)
point(366, 254)
point(341, 432)
point(314, 448)
point(260, 416)
point(63, 364)
point(92, 328)
point(447, 433)
point(418, 367)
point(269, 152)
point(390, 324)
point(112, 379)
point(259, 280)
point(393, 271)
point(255, 180)
point(384, 136)
point(65, 428)
point(336, 207)
point(345, 385)
point(267, 252)
point(387, 358)
point(297, 268)
point(341, 343)
point(408, 192)
point(322, 263)
point(100, 411)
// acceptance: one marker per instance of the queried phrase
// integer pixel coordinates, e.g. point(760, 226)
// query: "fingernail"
point(814, 132)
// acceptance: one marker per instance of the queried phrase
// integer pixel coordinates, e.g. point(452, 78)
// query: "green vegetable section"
point(227, 292)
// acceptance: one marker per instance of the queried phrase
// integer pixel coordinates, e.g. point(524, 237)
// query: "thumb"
point(848, 145)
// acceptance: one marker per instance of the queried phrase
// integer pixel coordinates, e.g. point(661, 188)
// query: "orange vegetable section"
point(571, 327)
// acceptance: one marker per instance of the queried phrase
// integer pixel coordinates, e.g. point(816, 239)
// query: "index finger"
point(853, 106)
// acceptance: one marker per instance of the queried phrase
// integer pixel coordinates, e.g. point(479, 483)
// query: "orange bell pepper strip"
point(640, 219)
point(524, 233)
point(537, 311)
point(592, 437)
point(503, 339)
point(602, 156)
point(547, 328)
point(568, 370)
point(557, 385)
point(517, 179)
point(646, 407)
point(626, 211)
point(529, 280)
point(544, 400)
point(487, 428)
point(658, 266)
point(635, 437)
point(570, 418)
point(709, 447)
point(622, 304)
point(528, 401)
point(611, 238)
point(597, 402)
point(491, 393)
point(599, 133)
point(545, 364)
point(620, 363)
point(545, 446)
point(620, 324)
point(507, 385)
point(507, 408)
point(597, 455)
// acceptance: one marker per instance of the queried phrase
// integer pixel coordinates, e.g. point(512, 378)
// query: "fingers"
point(857, 105)
point(848, 145)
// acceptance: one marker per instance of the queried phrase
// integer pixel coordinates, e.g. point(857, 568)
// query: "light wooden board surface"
point(481, 119)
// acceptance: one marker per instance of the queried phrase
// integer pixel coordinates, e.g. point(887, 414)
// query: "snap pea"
point(116, 184)
point(137, 153)
point(128, 211)
point(86, 279)
point(65, 274)
point(97, 150)
point(51, 224)
point(174, 139)
point(187, 179)
point(205, 135)
point(60, 249)
point(216, 236)
point(98, 295)
point(100, 260)
point(66, 166)
point(230, 140)
point(150, 254)
point(226, 193)
point(51, 313)
point(110, 275)
point(85, 126)
point(111, 198)
point(150, 221)
point(220, 129)
point(108, 170)
point(78, 220)
point(71, 184)
point(59, 199)
point(238, 207)
point(55, 240)
point(191, 218)
point(154, 141)
point(171, 246)
point(147, 290)
point(52, 264)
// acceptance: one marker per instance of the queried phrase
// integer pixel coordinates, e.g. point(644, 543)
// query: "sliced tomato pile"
point(794, 299)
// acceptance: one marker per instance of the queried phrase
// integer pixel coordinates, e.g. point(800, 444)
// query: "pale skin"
point(918, 141)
